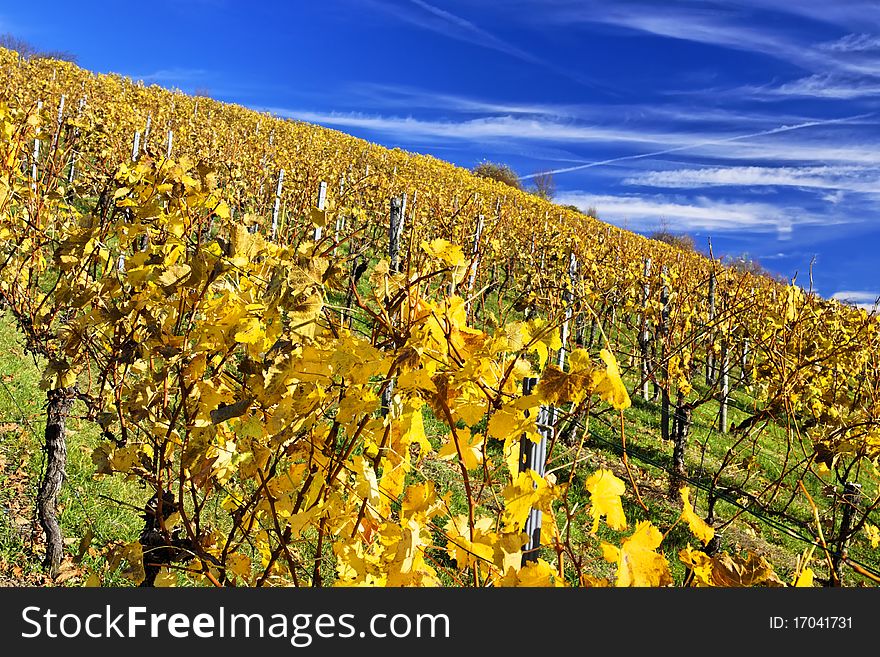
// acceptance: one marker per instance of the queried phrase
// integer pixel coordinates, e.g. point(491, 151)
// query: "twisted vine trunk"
point(852, 493)
point(681, 427)
point(60, 402)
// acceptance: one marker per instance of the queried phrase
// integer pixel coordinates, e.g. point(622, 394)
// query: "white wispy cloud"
point(860, 298)
point(729, 26)
point(738, 26)
point(834, 197)
point(642, 212)
point(394, 96)
point(172, 75)
point(853, 43)
point(839, 178)
point(855, 149)
point(825, 85)
point(848, 158)
point(850, 14)
point(485, 128)
point(702, 143)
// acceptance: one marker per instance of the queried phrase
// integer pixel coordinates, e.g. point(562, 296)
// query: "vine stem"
point(819, 529)
point(626, 465)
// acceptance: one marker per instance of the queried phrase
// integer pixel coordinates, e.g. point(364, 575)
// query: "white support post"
point(412, 205)
point(340, 218)
point(322, 203)
point(277, 207)
point(533, 457)
point(395, 231)
point(664, 333)
point(475, 260)
point(71, 174)
point(644, 335)
point(725, 387)
point(710, 356)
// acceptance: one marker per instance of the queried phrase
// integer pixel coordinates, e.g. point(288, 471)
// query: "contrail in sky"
point(435, 19)
point(711, 142)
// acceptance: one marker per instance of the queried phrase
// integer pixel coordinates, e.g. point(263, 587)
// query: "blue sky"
point(755, 123)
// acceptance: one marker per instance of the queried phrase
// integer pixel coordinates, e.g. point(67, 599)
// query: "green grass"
point(85, 509)
point(761, 458)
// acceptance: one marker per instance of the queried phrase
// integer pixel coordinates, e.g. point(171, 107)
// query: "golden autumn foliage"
point(255, 377)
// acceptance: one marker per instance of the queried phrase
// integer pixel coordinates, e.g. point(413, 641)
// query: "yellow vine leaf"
point(419, 380)
point(404, 559)
point(366, 486)
point(605, 491)
point(611, 553)
point(697, 525)
point(444, 250)
point(166, 578)
point(318, 217)
point(550, 534)
point(579, 361)
point(544, 340)
point(133, 556)
point(557, 386)
point(538, 573)
point(58, 374)
point(804, 578)
point(239, 565)
point(729, 571)
point(700, 564)
point(465, 551)
point(420, 501)
point(519, 497)
point(511, 422)
point(174, 275)
point(608, 384)
point(528, 490)
point(250, 331)
point(638, 563)
point(124, 458)
point(470, 446)
point(222, 210)
point(409, 428)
